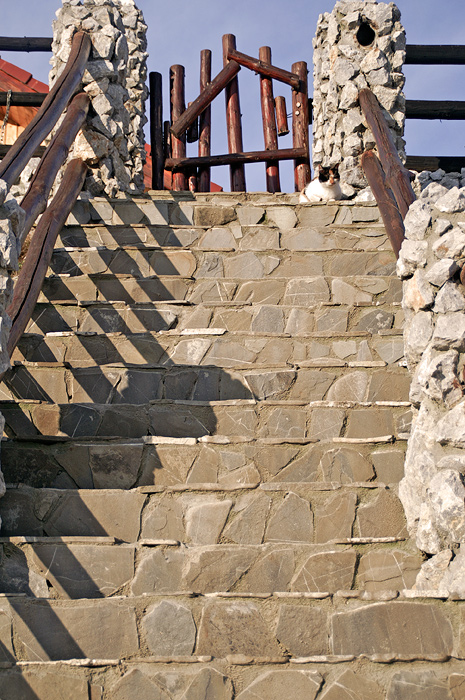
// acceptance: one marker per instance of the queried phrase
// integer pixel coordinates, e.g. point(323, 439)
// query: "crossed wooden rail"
point(34, 268)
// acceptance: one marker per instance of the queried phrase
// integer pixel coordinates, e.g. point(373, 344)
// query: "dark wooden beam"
point(392, 219)
point(434, 109)
point(236, 158)
point(397, 176)
point(23, 99)
point(205, 98)
point(34, 201)
point(23, 43)
point(451, 164)
point(33, 271)
point(156, 129)
point(434, 54)
point(265, 68)
point(53, 107)
point(38, 153)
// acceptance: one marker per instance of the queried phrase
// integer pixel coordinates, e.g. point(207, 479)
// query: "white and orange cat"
point(324, 187)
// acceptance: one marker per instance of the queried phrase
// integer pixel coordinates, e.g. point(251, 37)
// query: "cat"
point(322, 188)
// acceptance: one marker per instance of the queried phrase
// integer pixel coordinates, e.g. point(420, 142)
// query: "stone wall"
point(357, 45)
point(433, 489)
point(112, 142)
point(11, 223)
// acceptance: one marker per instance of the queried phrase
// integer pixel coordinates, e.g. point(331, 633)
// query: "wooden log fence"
point(178, 106)
point(176, 164)
point(263, 67)
point(156, 130)
point(205, 121)
point(302, 174)
point(52, 108)
point(233, 120)
point(270, 130)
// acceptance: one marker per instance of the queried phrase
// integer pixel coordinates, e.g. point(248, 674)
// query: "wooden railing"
point(170, 138)
point(60, 98)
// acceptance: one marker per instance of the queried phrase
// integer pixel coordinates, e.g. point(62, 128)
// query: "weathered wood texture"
point(54, 104)
point(5, 149)
point(397, 176)
point(281, 115)
point(302, 173)
point(31, 277)
point(176, 164)
point(264, 67)
point(270, 132)
point(205, 120)
point(233, 120)
point(430, 55)
point(448, 163)
point(23, 43)
point(35, 200)
point(392, 219)
point(434, 109)
point(23, 99)
point(192, 134)
point(178, 106)
point(206, 97)
point(156, 129)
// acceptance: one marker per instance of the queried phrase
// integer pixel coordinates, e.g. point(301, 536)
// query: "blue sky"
point(177, 31)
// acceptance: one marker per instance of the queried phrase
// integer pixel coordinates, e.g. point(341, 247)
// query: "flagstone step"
point(266, 419)
point(305, 292)
point(268, 630)
point(177, 463)
point(74, 568)
point(65, 383)
point(290, 514)
point(237, 317)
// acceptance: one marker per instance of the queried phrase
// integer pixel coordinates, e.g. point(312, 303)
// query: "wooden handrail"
point(389, 211)
point(205, 98)
point(397, 176)
point(35, 200)
point(265, 68)
point(23, 43)
point(23, 99)
point(47, 116)
point(422, 55)
point(236, 158)
point(33, 271)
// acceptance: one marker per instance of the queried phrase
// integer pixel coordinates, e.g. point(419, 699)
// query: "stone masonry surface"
point(347, 58)
point(432, 490)
point(112, 142)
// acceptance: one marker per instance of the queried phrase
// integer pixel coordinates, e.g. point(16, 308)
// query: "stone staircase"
point(206, 423)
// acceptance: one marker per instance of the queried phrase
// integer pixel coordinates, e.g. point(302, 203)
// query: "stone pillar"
point(433, 489)
point(113, 142)
point(11, 224)
point(358, 45)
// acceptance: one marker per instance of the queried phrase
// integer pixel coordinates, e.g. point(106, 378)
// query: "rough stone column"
point(357, 45)
point(433, 489)
point(11, 224)
point(113, 141)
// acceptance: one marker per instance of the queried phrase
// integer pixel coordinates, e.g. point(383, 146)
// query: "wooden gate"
point(194, 123)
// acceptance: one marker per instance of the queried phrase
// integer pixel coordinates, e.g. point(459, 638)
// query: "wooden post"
point(233, 120)
point(397, 177)
point(281, 115)
point(389, 211)
point(178, 106)
point(270, 133)
point(156, 129)
point(205, 120)
point(302, 173)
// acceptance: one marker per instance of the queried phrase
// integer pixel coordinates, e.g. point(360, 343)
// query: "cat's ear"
point(335, 169)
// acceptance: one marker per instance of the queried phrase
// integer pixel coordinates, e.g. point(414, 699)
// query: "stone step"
point(215, 347)
point(61, 568)
point(288, 514)
point(195, 678)
point(195, 463)
point(119, 317)
point(305, 292)
point(318, 420)
point(103, 384)
point(235, 629)
point(247, 265)
point(316, 237)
